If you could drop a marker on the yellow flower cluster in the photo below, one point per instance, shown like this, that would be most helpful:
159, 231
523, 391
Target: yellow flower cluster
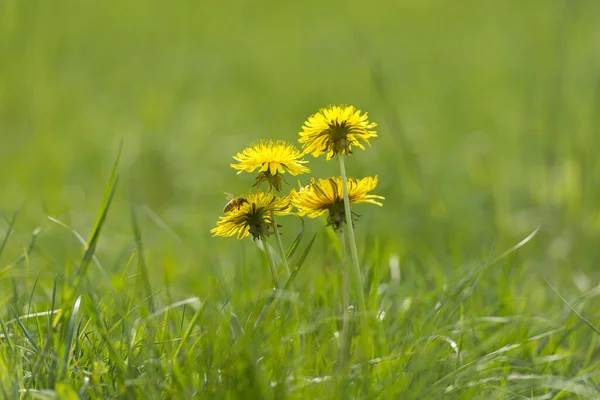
332, 131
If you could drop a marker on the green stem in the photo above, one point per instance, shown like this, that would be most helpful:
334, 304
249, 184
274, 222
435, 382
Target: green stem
263, 239
344, 348
285, 264
356, 274
280, 245
276, 292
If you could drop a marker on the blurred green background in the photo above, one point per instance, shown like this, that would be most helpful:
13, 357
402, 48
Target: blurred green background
488, 113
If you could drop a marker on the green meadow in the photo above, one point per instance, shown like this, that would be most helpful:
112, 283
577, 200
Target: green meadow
118, 122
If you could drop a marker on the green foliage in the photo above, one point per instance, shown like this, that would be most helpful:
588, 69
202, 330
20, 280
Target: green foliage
489, 119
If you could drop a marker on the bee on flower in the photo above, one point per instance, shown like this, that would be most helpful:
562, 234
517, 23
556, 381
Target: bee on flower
233, 202
334, 130
254, 216
325, 195
272, 159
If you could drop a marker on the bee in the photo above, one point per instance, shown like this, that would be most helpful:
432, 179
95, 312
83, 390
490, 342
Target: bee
233, 202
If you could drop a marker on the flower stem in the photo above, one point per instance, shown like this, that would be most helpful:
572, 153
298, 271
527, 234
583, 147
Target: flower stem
286, 266
263, 239
345, 345
275, 295
280, 245
356, 273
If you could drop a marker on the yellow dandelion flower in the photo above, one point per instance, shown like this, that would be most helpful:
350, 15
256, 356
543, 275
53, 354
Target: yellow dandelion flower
251, 215
273, 158
334, 130
327, 195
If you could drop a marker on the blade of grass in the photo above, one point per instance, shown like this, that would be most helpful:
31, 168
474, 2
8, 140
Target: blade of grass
53, 303
137, 234
24, 255
102, 330
300, 262
32, 292
189, 329
70, 332
288, 283
573, 310
9, 231
296, 241
473, 276
109, 193
6, 336
236, 328
164, 310
83, 242
25, 331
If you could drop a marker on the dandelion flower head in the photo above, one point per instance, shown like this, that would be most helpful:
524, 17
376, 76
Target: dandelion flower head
326, 195
253, 216
273, 159
334, 130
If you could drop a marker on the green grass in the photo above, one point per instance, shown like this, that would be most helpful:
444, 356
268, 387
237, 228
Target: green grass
489, 127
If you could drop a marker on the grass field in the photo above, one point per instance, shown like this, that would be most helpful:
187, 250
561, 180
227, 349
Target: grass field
480, 272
